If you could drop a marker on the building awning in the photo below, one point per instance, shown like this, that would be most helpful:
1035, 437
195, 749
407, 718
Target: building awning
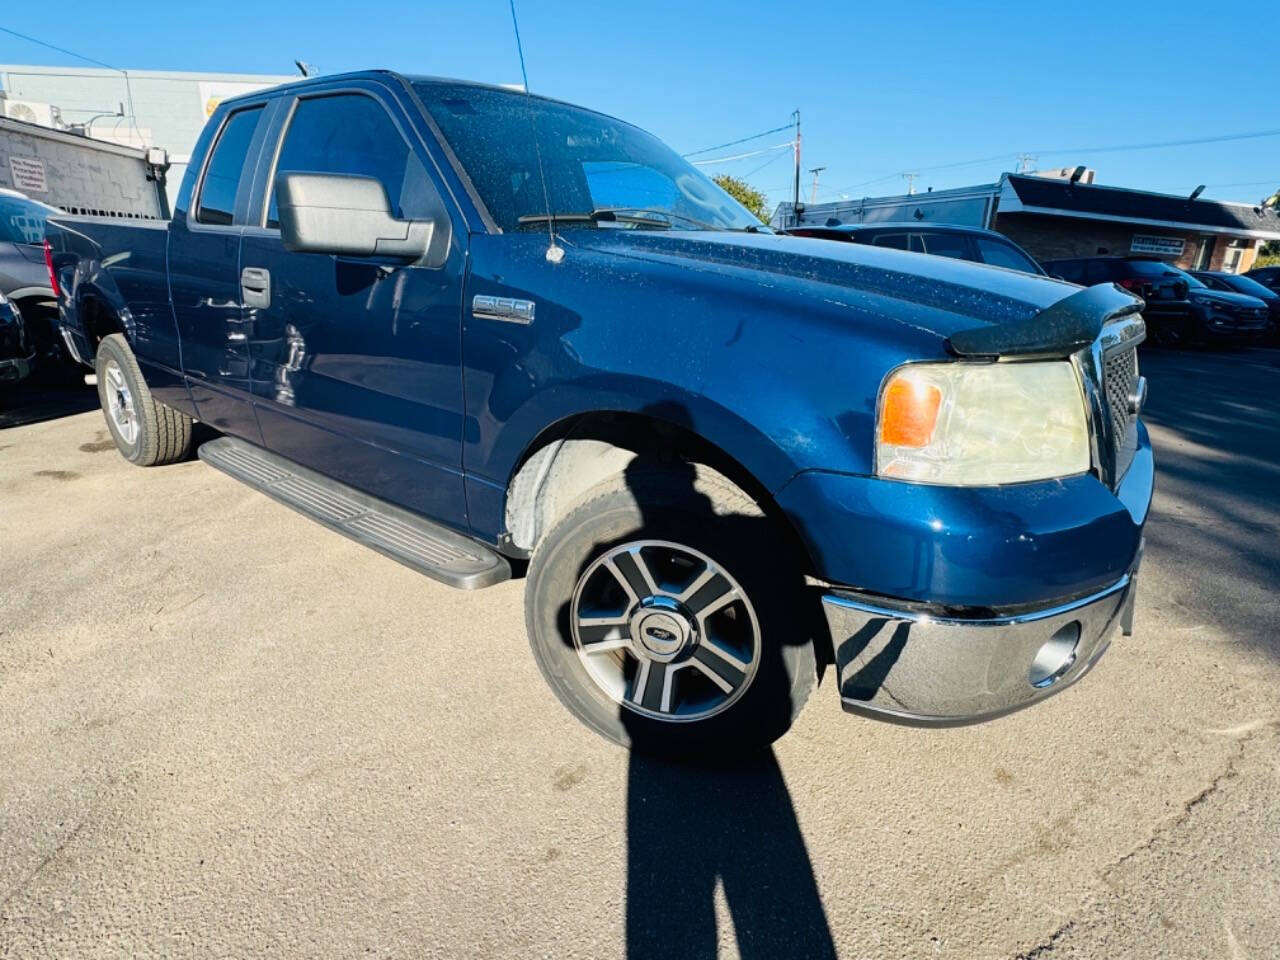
1089, 201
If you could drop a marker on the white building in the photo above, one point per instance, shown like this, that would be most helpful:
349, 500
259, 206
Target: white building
143, 108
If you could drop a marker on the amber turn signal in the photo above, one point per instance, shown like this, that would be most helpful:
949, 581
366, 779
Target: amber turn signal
909, 413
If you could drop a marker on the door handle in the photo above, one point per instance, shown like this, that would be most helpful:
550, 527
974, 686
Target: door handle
255, 287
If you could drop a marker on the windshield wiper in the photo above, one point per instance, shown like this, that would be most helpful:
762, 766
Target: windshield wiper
646, 217
609, 214
701, 224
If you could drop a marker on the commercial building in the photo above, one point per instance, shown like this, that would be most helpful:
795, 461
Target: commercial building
140, 108
1055, 216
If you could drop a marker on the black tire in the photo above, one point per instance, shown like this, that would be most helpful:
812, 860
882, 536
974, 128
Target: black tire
163, 435
697, 508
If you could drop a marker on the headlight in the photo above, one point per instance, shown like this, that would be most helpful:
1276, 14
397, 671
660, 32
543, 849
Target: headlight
971, 424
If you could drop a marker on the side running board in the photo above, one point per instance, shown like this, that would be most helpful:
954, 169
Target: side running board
426, 547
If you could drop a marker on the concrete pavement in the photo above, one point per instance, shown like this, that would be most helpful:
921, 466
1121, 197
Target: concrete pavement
225, 731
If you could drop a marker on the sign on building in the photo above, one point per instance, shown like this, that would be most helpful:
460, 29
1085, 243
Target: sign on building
28, 174
213, 92
1162, 246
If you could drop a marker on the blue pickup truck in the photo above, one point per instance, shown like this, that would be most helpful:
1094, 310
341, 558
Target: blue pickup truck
490, 334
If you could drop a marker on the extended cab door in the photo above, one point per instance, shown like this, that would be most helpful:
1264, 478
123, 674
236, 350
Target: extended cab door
356, 360
205, 276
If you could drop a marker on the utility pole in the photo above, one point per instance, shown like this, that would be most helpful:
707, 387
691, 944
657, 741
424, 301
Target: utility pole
795, 146
813, 191
911, 182
1025, 161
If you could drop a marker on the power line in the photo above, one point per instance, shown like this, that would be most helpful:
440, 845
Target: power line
64, 50
734, 143
1193, 141
741, 156
128, 87
1247, 183
774, 159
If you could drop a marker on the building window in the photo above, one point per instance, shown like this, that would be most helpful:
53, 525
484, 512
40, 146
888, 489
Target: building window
1204, 253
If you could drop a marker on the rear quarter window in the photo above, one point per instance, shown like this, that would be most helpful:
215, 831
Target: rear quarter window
221, 183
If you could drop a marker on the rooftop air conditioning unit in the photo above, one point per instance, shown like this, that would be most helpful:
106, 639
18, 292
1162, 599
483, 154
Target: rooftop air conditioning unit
28, 111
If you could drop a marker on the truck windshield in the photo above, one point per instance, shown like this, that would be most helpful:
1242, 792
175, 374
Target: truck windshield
22, 220
592, 163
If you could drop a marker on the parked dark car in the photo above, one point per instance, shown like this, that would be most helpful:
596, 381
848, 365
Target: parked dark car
24, 276
1269, 277
939, 239
15, 351
718, 450
1180, 309
1241, 283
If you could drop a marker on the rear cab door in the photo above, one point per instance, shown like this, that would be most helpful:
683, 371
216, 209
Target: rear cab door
355, 362
204, 269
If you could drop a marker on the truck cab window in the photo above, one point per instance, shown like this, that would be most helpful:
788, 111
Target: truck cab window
226, 163
352, 133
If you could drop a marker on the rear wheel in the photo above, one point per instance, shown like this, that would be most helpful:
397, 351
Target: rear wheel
146, 432
668, 615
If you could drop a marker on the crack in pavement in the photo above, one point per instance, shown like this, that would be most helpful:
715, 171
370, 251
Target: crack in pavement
1244, 735
49, 857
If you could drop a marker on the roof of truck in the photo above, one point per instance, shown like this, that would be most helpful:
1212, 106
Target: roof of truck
304, 82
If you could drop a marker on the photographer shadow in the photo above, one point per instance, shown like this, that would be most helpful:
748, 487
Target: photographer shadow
691, 828
729, 824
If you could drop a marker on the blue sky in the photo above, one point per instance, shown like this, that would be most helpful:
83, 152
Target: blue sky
882, 88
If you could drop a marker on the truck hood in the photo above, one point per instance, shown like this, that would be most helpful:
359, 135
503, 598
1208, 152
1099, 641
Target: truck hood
1008, 311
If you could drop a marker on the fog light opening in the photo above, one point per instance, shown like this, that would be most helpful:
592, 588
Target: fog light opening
1056, 656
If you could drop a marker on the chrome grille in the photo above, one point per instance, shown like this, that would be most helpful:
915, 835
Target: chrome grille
1109, 373
1119, 378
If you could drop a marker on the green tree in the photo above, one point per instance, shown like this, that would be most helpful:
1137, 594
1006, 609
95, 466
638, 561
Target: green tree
745, 194
1268, 254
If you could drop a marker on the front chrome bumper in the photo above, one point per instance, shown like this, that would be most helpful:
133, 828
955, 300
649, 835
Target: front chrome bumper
938, 671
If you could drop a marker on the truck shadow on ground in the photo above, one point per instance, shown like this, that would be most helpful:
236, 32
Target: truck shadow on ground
44, 397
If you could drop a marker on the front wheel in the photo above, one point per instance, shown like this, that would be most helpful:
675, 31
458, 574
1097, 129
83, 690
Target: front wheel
146, 432
668, 614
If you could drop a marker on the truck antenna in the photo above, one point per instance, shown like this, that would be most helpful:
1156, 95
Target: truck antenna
555, 252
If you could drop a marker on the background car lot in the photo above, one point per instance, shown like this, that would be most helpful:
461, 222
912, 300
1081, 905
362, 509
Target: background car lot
193, 768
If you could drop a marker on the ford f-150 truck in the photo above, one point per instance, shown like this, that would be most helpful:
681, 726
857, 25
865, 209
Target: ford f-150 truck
483, 332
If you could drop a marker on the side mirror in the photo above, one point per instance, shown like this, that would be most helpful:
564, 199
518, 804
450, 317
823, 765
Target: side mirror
346, 215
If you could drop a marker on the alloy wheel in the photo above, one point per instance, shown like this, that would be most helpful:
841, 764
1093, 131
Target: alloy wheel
120, 403
664, 631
